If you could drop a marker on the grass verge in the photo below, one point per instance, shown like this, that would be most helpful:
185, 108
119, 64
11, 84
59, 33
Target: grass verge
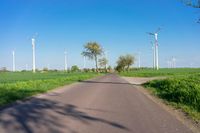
181, 92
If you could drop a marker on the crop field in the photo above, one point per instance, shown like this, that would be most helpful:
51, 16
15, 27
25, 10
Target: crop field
161, 72
20, 85
9, 77
180, 89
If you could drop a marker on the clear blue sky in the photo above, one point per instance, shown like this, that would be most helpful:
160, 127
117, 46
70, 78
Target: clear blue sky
120, 26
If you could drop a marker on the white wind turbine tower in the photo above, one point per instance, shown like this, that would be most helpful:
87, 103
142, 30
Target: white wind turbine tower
171, 64
13, 57
48, 67
168, 62
153, 53
191, 65
65, 53
26, 67
174, 62
106, 56
156, 47
33, 47
84, 62
139, 59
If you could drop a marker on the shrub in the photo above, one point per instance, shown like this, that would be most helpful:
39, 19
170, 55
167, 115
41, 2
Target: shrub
75, 69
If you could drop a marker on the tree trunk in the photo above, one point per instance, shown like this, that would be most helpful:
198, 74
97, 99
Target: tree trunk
128, 68
96, 62
123, 68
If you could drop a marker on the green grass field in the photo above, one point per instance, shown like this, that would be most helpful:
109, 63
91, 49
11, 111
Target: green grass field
161, 72
180, 89
9, 77
20, 85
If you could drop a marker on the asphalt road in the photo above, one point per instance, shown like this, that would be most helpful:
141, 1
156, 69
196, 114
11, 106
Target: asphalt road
107, 104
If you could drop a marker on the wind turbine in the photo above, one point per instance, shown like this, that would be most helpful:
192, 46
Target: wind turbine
13, 56
155, 34
33, 48
65, 53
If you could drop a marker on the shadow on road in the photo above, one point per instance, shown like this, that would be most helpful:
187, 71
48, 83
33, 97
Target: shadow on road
99, 82
36, 114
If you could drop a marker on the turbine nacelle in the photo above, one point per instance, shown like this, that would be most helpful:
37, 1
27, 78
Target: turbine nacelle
65, 52
155, 33
156, 36
33, 42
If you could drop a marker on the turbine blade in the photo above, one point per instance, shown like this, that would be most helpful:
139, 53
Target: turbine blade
35, 35
158, 30
150, 33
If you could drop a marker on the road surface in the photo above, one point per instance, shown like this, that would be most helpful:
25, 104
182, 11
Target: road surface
107, 104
